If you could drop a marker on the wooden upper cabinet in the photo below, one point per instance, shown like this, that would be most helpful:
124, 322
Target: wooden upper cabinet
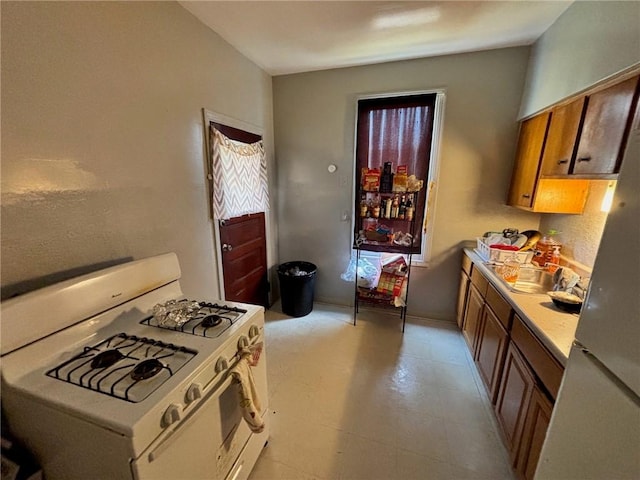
525, 173
561, 138
528, 190
605, 128
562, 149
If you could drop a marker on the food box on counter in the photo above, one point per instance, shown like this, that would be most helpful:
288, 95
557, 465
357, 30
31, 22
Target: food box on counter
489, 254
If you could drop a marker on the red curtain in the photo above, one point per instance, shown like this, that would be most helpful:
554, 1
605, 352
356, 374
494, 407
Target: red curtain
397, 130
397, 135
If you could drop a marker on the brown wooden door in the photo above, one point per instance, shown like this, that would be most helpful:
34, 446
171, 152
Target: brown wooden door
244, 259
562, 138
528, 156
604, 130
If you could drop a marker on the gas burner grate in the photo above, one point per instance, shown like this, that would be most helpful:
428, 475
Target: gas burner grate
124, 366
210, 321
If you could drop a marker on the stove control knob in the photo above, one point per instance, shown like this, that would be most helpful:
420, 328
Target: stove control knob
194, 392
221, 365
171, 414
254, 331
243, 342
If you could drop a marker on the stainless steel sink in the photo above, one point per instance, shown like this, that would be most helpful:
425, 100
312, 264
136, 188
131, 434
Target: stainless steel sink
530, 280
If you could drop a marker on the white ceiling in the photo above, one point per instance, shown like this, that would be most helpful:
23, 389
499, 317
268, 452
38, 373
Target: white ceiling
297, 36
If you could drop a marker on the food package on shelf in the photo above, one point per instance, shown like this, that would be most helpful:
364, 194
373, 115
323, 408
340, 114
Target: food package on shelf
413, 184
400, 179
392, 275
370, 179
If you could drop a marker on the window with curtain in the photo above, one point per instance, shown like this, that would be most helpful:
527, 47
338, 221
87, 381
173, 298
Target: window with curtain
398, 130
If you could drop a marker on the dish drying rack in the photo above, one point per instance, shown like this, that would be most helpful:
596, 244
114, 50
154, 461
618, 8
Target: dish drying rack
495, 255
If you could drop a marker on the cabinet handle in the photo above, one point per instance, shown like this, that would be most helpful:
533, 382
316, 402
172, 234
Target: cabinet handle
526, 195
560, 162
584, 159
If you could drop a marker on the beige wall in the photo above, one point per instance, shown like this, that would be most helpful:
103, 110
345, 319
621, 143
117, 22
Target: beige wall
314, 115
102, 136
588, 43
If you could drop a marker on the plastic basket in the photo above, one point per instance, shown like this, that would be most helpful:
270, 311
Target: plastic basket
489, 254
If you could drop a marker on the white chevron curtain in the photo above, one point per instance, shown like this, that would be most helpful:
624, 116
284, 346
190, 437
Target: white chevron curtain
239, 177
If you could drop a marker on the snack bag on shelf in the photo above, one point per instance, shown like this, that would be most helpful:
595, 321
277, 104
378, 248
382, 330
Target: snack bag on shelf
370, 179
400, 179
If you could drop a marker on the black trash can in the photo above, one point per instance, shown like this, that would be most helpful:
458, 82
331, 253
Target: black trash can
297, 284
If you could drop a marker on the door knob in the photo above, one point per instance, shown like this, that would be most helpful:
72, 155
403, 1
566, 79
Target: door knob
226, 247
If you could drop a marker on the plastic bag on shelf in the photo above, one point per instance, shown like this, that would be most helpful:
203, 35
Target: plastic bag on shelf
368, 273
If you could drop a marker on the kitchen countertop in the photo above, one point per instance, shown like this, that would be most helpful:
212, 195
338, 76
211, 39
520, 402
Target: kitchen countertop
554, 328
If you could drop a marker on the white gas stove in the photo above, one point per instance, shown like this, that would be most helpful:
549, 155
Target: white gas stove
100, 381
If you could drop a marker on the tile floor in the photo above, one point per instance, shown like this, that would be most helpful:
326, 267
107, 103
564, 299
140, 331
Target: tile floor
368, 402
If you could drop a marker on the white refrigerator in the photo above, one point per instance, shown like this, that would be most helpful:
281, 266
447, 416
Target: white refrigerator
595, 426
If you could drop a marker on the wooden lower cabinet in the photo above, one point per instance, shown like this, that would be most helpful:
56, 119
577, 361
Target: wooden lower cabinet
490, 351
463, 293
521, 376
513, 399
533, 434
472, 313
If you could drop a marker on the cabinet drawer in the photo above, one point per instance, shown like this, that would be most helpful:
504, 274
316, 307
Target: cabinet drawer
466, 264
548, 370
500, 307
480, 282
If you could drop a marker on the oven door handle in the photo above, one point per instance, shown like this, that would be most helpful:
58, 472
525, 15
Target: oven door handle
164, 442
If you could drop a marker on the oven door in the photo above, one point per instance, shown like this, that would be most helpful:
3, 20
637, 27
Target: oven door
208, 441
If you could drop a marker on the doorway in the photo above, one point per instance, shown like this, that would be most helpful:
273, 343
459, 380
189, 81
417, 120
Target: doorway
240, 242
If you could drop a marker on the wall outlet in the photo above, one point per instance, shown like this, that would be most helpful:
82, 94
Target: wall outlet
346, 215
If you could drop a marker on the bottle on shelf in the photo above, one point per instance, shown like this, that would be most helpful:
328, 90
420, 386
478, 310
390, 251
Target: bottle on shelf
375, 211
387, 208
410, 209
364, 208
402, 208
395, 207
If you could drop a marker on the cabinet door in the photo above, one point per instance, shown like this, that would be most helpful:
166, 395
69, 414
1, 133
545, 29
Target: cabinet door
525, 173
533, 435
492, 344
604, 129
472, 318
513, 399
463, 293
562, 138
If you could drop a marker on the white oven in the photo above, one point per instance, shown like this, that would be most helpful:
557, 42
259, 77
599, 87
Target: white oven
101, 379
